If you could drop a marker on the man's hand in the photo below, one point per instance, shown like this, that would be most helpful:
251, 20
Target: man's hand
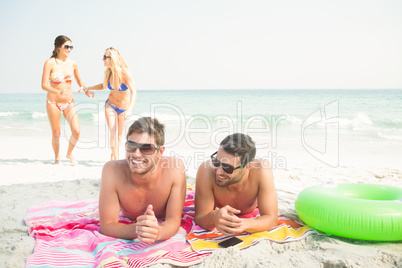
147, 226
226, 221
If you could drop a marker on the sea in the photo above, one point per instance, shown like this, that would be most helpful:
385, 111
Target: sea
331, 127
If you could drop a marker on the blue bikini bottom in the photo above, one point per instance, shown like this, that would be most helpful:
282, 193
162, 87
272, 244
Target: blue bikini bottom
118, 110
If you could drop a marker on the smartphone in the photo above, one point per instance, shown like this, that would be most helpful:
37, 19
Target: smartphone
233, 241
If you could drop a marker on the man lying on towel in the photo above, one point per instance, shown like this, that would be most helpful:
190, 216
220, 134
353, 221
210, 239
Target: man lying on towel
234, 183
145, 186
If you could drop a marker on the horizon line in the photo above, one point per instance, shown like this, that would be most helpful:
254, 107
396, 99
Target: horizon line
226, 89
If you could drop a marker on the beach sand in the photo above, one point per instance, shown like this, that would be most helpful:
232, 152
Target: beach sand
27, 181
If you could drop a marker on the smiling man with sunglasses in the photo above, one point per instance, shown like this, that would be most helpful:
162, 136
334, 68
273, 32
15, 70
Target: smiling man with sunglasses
145, 187
233, 183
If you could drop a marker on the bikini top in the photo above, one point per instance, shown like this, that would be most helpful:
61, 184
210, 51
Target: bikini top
123, 87
57, 78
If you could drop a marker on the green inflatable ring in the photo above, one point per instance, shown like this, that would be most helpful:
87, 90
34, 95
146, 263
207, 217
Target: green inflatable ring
359, 211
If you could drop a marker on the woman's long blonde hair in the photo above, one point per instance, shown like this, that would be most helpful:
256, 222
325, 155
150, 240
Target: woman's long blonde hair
117, 64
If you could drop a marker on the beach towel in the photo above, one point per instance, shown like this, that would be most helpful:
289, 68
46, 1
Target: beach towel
287, 230
67, 235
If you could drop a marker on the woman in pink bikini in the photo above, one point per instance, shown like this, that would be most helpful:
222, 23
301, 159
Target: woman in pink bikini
121, 99
57, 76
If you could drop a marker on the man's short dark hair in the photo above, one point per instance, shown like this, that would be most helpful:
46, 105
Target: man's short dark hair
151, 126
239, 144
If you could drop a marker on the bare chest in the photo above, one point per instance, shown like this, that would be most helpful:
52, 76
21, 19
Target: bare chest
134, 202
245, 201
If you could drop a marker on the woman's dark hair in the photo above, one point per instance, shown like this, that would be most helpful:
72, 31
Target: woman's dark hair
58, 42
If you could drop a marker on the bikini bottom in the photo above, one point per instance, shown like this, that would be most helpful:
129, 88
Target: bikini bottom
118, 110
60, 106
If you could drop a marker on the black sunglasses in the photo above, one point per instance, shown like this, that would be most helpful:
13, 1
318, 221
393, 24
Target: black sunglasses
145, 148
226, 167
106, 57
68, 47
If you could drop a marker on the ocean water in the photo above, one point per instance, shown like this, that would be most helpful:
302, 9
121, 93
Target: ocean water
327, 126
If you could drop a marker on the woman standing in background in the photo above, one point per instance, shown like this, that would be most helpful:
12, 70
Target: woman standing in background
58, 73
121, 99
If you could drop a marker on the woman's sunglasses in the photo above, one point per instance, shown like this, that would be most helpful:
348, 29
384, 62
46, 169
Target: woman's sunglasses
145, 148
68, 47
106, 57
226, 167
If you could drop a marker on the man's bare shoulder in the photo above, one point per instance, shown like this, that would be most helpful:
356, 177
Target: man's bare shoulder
114, 168
172, 164
205, 173
115, 164
173, 167
261, 170
262, 164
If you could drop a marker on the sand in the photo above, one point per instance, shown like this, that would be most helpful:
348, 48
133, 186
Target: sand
26, 182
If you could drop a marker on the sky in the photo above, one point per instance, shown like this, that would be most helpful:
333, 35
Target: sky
210, 44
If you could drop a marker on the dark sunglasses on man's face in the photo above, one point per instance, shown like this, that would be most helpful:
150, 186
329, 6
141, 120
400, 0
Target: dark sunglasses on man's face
68, 47
106, 57
226, 167
145, 148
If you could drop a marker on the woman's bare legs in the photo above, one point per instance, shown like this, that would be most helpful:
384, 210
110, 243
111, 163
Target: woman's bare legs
54, 115
111, 116
71, 115
121, 123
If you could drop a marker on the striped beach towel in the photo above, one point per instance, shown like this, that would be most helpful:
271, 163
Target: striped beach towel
287, 230
67, 235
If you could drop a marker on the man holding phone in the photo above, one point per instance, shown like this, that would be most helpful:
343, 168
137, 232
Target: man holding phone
233, 183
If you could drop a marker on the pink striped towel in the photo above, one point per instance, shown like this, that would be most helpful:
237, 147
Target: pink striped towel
67, 235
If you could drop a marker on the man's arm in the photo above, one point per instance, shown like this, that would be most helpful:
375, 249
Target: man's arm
206, 215
267, 200
204, 197
148, 229
109, 207
175, 203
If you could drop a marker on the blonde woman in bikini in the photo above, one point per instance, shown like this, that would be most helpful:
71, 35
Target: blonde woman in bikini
58, 74
121, 99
